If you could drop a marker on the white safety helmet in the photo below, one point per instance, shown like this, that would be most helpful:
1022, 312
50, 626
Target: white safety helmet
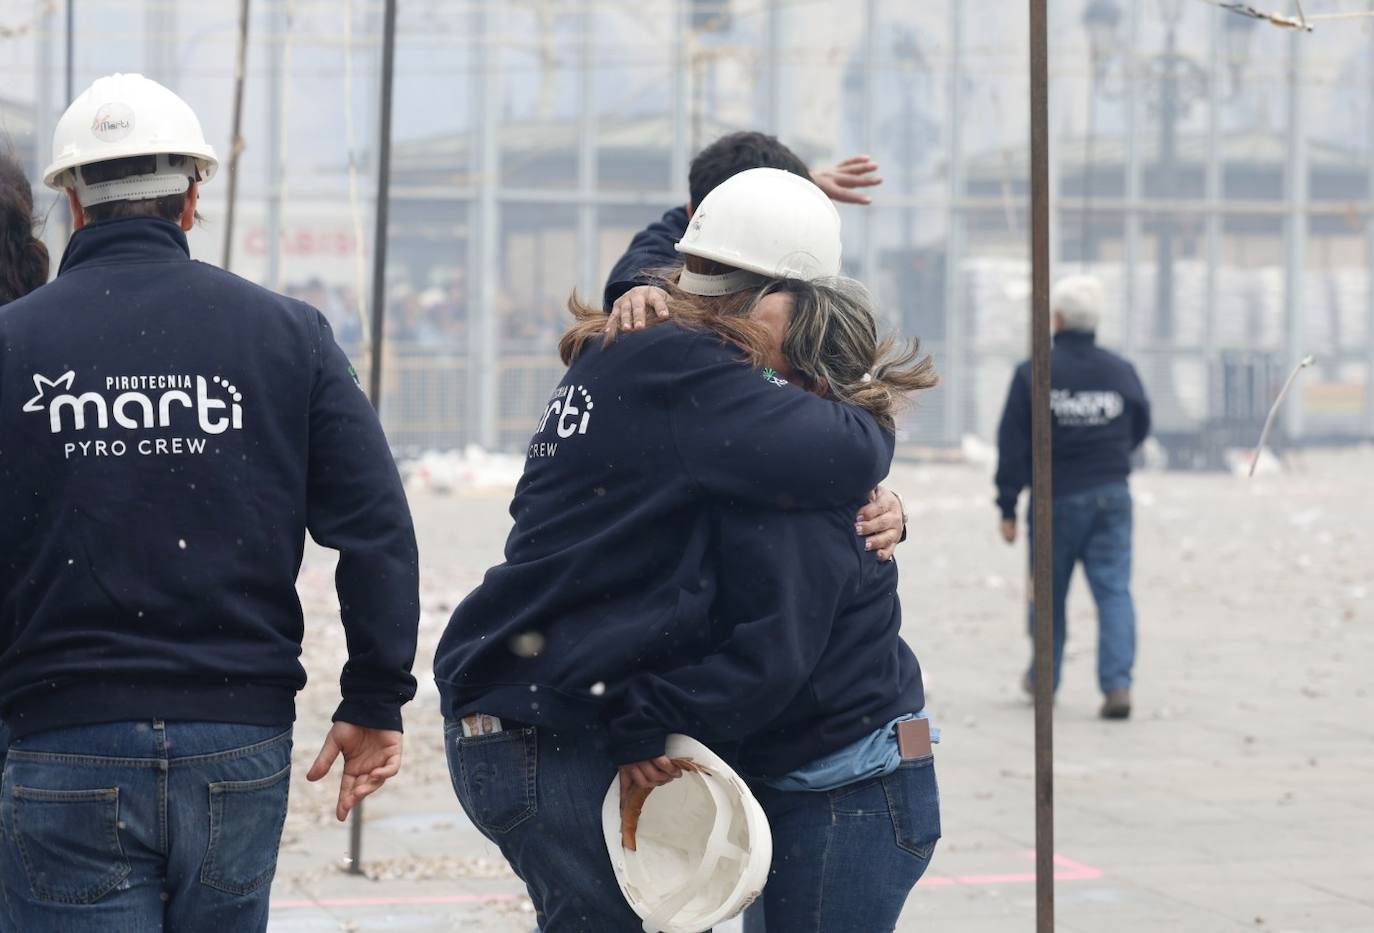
702, 849
770, 222
120, 116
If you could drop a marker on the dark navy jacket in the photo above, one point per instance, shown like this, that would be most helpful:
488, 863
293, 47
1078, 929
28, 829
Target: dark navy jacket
806, 656
609, 570
651, 249
1100, 416
168, 433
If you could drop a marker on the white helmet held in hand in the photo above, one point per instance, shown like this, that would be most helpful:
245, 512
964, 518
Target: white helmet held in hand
122, 116
702, 848
767, 221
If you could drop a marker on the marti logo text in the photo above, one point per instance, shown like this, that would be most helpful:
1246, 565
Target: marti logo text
572, 418
137, 403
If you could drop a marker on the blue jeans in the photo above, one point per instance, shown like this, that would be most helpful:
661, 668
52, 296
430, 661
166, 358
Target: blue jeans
536, 793
846, 859
1094, 527
134, 827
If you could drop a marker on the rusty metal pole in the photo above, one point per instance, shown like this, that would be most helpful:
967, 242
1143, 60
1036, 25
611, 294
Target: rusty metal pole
378, 335
1042, 509
236, 136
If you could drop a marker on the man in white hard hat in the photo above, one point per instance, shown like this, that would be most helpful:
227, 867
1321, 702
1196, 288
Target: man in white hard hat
171, 433
635, 298
1100, 415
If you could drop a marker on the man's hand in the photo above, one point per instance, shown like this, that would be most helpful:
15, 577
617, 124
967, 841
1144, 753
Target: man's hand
1008, 528
630, 311
882, 522
371, 756
841, 181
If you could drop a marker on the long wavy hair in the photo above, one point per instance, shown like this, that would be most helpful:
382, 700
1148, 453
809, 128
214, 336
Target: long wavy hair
23, 257
832, 341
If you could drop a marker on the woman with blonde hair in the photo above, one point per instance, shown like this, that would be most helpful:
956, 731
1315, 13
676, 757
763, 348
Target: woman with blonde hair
613, 571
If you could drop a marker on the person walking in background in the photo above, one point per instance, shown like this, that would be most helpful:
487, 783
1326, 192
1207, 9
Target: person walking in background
171, 432
1100, 415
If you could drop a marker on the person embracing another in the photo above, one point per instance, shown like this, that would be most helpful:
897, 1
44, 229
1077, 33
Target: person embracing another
609, 569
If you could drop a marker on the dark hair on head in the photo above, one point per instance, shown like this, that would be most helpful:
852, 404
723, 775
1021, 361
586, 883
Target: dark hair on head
167, 207
23, 257
737, 153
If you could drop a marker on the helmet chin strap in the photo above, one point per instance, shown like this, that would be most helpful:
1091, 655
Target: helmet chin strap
696, 283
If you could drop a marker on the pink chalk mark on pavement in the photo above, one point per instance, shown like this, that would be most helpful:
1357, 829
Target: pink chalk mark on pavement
1069, 870
396, 901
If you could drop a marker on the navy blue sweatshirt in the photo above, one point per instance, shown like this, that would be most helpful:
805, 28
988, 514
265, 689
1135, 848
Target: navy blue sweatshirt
607, 569
168, 433
807, 653
1100, 416
652, 248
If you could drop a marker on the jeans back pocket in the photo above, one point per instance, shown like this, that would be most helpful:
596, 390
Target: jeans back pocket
246, 820
913, 797
68, 842
494, 777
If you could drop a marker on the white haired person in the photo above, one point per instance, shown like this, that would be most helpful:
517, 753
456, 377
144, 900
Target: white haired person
1100, 415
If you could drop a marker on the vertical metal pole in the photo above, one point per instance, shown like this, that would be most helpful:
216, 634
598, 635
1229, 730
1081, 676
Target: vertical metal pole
958, 386
236, 136
1134, 119
71, 51
483, 217
868, 272
1213, 193
1369, 259
1043, 513
587, 240
774, 99
379, 237
678, 162
1168, 172
1296, 234
276, 109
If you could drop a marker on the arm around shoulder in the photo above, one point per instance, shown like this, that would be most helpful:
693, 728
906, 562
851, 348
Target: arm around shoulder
747, 435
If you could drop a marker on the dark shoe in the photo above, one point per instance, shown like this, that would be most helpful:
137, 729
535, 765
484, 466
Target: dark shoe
1117, 705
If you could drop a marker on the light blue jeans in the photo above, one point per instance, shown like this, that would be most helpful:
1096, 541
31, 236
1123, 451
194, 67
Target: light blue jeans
1094, 528
137, 827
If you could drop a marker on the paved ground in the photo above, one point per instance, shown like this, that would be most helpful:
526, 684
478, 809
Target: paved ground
1240, 797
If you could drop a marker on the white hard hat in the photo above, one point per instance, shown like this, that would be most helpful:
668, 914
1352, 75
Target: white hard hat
702, 849
120, 116
768, 221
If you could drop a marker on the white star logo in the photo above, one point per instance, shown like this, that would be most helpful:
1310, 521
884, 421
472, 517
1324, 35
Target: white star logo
40, 383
